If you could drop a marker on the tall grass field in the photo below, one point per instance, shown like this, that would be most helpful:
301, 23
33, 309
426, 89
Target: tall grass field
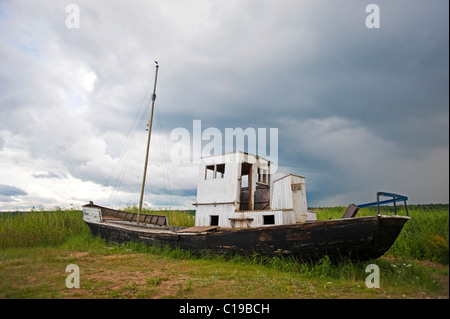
424, 237
60, 236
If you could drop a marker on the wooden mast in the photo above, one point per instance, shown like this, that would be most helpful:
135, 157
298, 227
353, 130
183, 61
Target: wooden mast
148, 144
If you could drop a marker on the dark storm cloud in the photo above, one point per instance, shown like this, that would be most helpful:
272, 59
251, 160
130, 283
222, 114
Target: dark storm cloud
379, 91
356, 109
8, 192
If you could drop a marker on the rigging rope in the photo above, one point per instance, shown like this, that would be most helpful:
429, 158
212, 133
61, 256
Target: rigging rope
127, 150
117, 174
167, 186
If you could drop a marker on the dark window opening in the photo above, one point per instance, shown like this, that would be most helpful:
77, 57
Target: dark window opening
215, 171
263, 176
269, 220
246, 170
220, 170
209, 172
214, 220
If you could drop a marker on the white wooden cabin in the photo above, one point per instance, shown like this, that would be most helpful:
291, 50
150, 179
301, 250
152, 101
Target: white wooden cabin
234, 191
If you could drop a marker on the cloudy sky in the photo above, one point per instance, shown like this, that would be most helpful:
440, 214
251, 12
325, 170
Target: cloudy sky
357, 109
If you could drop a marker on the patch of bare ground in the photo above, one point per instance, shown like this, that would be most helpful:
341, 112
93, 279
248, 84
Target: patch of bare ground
127, 276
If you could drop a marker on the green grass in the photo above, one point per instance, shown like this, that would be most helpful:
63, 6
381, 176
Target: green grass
182, 218
36, 247
45, 228
135, 270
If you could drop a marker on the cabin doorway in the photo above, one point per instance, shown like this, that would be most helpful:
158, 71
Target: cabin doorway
258, 198
246, 195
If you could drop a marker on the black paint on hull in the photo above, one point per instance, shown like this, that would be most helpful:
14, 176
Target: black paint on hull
358, 238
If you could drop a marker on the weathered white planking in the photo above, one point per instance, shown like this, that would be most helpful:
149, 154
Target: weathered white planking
219, 195
92, 214
289, 192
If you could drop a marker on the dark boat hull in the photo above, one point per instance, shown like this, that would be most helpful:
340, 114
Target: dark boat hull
358, 238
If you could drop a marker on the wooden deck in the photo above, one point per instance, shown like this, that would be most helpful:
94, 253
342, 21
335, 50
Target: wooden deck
198, 229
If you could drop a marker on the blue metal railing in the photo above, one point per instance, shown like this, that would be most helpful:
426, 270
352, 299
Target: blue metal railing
395, 198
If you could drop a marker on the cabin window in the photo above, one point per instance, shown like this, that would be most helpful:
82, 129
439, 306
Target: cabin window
214, 220
209, 174
269, 220
215, 171
220, 170
263, 177
244, 181
246, 171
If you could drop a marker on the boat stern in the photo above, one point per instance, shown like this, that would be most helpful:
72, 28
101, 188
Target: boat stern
92, 213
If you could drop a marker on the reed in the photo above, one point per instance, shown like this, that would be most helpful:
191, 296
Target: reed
181, 218
53, 228
48, 228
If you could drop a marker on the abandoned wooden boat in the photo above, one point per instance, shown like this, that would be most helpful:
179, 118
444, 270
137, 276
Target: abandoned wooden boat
237, 213
358, 238
240, 210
